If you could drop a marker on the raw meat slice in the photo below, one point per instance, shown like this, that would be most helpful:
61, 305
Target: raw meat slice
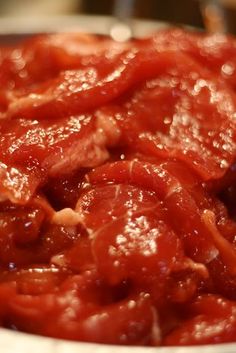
130, 235
217, 52
183, 113
117, 188
81, 308
187, 220
213, 322
40, 58
31, 151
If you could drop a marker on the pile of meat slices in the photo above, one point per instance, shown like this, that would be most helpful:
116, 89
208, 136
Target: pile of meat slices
118, 188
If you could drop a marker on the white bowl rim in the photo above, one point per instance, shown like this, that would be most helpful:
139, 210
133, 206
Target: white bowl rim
89, 23
20, 342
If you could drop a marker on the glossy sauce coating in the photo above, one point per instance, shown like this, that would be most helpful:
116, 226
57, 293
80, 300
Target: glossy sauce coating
117, 188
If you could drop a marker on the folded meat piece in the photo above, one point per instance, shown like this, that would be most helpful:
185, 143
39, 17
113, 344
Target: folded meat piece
182, 113
216, 51
27, 64
33, 150
213, 321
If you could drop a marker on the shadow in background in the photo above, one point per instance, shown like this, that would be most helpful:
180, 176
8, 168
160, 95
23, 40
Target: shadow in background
230, 16
175, 11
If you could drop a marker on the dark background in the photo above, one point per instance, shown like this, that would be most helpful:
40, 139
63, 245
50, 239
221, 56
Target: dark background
181, 12
176, 11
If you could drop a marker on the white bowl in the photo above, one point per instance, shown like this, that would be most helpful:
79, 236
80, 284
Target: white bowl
85, 23
17, 342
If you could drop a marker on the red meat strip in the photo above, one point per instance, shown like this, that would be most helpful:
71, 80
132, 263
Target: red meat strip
28, 237
130, 235
217, 51
18, 184
198, 125
25, 65
187, 218
214, 321
71, 91
33, 150
79, 308
198, 219
144, 238
185, 114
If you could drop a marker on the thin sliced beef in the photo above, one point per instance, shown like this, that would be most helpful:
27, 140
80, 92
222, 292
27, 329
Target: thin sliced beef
117, 185
183, 113
38, 59
177, 200
31, 151
216, 51
128, 239
213, 321
80, 308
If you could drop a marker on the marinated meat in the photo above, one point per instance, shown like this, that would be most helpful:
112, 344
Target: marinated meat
117, 188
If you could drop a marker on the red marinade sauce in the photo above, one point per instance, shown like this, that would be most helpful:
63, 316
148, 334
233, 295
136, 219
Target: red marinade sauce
117, 188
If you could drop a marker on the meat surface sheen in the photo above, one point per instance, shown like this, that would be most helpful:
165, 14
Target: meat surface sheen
117, 188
